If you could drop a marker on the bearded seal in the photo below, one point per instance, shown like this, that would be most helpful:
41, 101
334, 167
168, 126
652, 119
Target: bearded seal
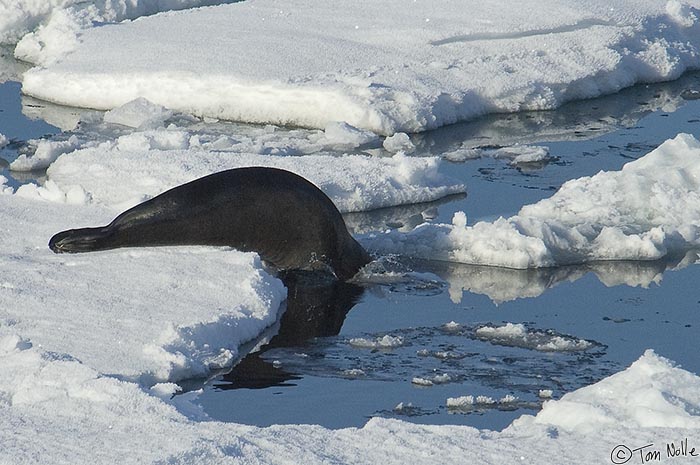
283, 217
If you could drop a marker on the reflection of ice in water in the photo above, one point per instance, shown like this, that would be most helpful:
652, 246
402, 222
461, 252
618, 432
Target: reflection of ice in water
423, 277
574, 121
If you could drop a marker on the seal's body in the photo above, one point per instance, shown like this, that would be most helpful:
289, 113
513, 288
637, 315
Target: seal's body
283, 217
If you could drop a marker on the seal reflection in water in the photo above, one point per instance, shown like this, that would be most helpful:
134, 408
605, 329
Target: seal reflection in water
316, 307
283, 217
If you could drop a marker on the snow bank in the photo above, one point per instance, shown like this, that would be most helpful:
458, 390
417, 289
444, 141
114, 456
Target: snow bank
376, 65
141, 314
648, 210
119, 174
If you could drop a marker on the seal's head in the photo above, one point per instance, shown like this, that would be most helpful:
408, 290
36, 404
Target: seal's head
77, 240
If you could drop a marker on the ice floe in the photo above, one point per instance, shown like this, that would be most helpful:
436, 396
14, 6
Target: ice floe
141, 314
647, 211
413, 69
119, 175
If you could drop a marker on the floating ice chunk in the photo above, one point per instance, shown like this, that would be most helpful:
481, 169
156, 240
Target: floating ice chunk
468, 402
441, 379
517, 335
400, 407
463, 154
385, 342
545, 394
523, 154
421, 381
47, 151
341, 135
517, 154
441, 354
509, 330
3, 140
139, 113
460, 402
452, 326
437, 379
399, 142
646, 211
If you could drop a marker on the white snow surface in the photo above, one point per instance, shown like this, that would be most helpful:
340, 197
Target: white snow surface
46, 29
142, 164
375, 64
648, 210
140, 314
58, 410
47, 151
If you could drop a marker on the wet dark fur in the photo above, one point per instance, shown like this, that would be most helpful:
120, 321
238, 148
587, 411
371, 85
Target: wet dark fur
278, 214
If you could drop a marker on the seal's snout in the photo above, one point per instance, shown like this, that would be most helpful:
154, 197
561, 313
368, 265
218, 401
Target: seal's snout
57, 242
76, 240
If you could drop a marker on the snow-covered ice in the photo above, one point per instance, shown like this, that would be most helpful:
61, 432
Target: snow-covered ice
46, 29
91, 346
517, 154
147, 314
46, 152
117, 174
647, 211
376, 65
